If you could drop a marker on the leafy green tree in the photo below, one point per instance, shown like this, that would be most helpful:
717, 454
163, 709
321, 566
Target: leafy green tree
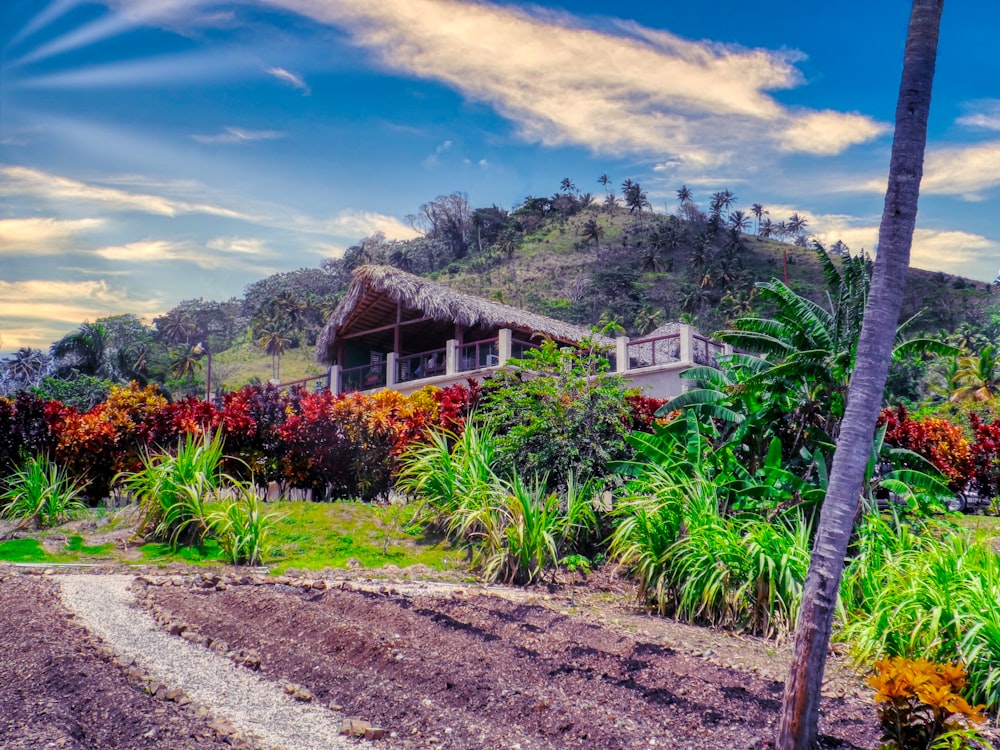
977, 376
556, 413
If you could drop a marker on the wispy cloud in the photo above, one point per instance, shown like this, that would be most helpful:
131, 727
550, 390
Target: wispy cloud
950, 250
966, 171
42, 236
616, 88
984, 114
441, 148
354, 224
239, 245
292, 79
25, 181
214, 255
239, 135
36, 312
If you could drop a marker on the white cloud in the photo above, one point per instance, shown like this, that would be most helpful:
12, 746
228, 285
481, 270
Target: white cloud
239, 245
216, 254
962, 170
828, 132
36, 312
292, 79
16, 180
619, 89
353, 224
984, 115
42, 236
966, 171
239, 135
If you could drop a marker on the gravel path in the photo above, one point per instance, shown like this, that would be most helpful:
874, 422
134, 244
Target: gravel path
261, 711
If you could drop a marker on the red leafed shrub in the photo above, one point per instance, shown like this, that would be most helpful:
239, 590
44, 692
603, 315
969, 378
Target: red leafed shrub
937, 440
642, 411
986, 454
86, 446
455, 403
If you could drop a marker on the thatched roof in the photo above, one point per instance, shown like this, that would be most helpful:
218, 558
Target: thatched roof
434, 301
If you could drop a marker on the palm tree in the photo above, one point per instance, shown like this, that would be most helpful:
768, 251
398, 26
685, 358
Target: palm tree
567, 186
739, 221
27, 364
800, 707
684, 194
604, 180
978, 376
765, 229
83, 350
273, 341
176, 326
187, 362
591, 230
759, 213
636, 200
796, 224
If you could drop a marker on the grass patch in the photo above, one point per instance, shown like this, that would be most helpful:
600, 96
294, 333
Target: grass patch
318, 535
26, 550
76, 545
197, 554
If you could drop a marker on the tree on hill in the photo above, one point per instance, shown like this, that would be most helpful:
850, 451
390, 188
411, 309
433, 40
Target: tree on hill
591, 230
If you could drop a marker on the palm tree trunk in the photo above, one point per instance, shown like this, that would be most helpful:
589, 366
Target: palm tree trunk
800, 709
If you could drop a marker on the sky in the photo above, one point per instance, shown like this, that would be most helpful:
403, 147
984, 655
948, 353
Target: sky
153, 151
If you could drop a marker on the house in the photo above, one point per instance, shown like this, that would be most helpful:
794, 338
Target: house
400, 331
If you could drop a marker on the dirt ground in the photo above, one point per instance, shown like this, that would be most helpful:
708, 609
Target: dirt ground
58, 690
452, 670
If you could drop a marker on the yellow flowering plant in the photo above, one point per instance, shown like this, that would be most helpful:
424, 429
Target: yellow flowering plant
920, 705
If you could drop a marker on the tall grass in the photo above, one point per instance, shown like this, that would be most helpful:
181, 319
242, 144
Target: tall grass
515, 529
928, 598
185, 497
697, 564
40, 494
173, 490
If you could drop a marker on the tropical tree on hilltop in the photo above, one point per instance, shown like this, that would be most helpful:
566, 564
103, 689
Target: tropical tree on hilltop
739, 221
82, 350
759, 213
635, 199
186, 362
684, 195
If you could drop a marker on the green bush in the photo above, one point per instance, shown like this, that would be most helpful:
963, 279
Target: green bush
173, 490
40, 494
558, 411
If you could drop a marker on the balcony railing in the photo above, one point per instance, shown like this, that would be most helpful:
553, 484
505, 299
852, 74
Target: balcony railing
657, 350
421, 365
706, 351
479, 355
362, 378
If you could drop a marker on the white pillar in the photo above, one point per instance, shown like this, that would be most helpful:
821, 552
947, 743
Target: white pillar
451, 356
390, 369
687, 343
336, 379
621, 354
504, 345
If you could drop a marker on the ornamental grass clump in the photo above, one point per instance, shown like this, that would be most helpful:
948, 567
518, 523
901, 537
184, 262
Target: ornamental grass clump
40, 494
920, 705
515, 528
241, 526
920, 596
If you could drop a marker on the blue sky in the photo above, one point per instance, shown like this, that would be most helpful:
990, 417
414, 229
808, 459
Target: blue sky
159, 150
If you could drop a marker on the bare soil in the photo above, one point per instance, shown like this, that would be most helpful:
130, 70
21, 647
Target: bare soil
437, 666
